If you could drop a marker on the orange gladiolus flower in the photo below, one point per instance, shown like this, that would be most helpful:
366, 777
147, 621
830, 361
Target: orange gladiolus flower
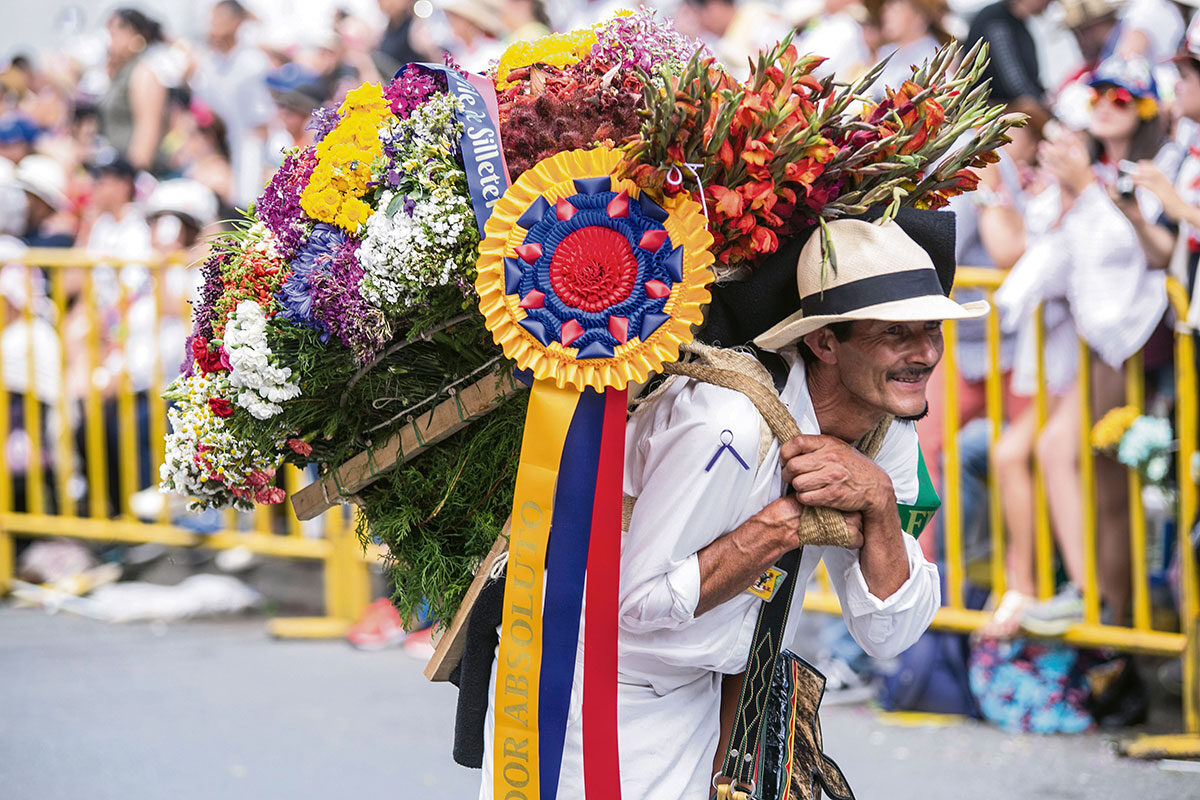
756, 152
758, 194
729, 204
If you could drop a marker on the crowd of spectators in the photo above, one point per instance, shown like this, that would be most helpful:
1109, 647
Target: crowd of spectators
141, 150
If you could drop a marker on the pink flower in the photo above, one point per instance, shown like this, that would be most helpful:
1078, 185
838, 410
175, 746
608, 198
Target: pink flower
260, 477
300, 447
271, 495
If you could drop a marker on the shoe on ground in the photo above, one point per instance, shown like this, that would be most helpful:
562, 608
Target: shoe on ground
1055, 616
1006, 619
380, 627
419, 644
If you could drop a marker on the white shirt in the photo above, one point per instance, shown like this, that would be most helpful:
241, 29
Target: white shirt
670, 663
1090, 272
839, 38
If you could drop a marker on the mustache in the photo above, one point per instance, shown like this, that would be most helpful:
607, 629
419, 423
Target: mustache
910, 373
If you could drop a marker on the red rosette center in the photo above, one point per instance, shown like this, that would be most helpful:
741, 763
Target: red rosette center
593, 268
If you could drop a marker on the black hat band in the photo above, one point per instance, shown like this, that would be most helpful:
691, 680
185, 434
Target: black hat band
871, 292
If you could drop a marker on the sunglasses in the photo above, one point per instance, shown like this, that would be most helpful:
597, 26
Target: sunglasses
1118, 97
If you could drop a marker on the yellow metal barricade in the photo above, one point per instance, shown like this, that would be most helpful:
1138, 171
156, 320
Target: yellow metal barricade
1140, 636
104, 428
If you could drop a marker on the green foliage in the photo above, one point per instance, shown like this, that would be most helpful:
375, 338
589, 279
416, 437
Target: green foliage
439, 514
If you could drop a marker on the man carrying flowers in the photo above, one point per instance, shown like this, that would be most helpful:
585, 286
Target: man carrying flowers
715, 504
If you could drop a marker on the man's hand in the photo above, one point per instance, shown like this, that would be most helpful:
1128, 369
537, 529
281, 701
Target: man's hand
825, 471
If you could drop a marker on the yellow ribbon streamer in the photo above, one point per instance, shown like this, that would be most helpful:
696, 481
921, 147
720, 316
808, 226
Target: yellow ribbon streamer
515, 746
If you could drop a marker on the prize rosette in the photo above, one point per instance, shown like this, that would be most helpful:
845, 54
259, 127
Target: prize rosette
589, 284
587, 281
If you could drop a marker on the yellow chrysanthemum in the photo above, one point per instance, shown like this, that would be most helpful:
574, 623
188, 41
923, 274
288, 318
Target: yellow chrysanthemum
1107, 433
555, 50
635, 358
353, 213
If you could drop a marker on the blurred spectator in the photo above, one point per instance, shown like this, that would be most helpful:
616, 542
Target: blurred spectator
133, 111
990, 232
335, 74
29, 349
1091, 22
1173, 240
204, 153
912, 31
403, 40
1086, 266
836, 33
44, 183
178, 211
296, 91
734, 30
478, 31
525, 19
230, 78
113, 225
1150, 29
1013, 65
17, 136
16, 79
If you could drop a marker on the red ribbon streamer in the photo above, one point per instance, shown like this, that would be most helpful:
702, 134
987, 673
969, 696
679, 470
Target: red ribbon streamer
601, 759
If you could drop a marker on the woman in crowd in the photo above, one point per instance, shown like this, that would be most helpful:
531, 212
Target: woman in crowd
133, 110
912, 31
1085, 264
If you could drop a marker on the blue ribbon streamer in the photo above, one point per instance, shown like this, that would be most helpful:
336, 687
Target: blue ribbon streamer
487, 178
566, 566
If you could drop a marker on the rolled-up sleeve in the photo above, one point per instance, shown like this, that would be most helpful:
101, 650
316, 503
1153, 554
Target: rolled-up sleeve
885, 628
690, 496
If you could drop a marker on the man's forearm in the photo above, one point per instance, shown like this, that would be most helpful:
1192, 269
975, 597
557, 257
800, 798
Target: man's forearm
735, 561
883, 558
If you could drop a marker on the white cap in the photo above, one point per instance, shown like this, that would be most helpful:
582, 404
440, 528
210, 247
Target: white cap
184, 197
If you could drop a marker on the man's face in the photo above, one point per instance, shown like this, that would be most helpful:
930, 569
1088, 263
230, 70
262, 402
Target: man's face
886, 365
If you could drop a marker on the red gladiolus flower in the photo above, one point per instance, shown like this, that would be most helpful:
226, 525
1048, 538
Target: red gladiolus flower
300, 447
759, 194
968, 180
220, 406
764, 240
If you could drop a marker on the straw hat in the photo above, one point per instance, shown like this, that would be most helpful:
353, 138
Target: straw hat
882, 274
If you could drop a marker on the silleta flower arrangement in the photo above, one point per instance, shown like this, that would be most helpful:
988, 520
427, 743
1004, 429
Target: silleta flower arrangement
342, 307
345, 305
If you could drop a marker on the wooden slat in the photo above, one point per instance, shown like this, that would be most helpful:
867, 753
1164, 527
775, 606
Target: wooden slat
450, 646
444, 420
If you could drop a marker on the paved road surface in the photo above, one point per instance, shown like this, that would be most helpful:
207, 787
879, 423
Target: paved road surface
218, 710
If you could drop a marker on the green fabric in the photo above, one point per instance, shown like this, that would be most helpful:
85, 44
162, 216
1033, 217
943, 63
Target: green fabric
914, 518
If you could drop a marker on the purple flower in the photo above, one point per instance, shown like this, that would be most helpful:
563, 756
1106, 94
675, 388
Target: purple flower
323, 121
645, 41
214, 287
393, 177
338, 304
411, 88
279, 206
410, 206
323, 248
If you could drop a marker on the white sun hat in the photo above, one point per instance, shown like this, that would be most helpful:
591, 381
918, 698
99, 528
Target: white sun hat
44, 178
882, 274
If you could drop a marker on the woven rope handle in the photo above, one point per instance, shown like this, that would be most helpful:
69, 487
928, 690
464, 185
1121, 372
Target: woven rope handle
819, 526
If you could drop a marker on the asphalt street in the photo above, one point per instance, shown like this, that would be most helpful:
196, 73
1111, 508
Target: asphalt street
209, 709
